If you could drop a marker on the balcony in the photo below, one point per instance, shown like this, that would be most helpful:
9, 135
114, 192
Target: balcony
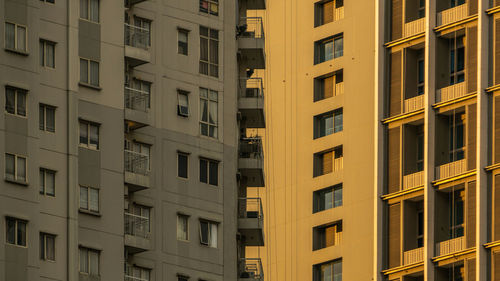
136, 45
413, 256
450, 246
251, 162
414, 104
137, 108
251, 42
413, 180
251, 221
136, 170
251, 102
250, 269
451, 92
452, 15
414, 27
137, 234
129, 272
451, 169
255, 4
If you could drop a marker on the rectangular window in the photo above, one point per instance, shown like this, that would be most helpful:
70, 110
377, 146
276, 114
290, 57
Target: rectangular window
456, 146
182, 165
15, 101
209, 171
47, 53
327, 11
138, 221
47, 182
89, 135
182, 278
457, 60
327, 235
16, 37
328, 86
15, 167
327, 198
47, 247
15, 231
182, 103
209, 51
140, 159
420, 225
47, 118
329, 48
136, 273
89, 10
420, 77
182, 41
328, 123
182, 227
456, 213
48, 1
89, 72
329, 271
209, 7
208, 112
89, 199
328, 161
142, 97
142, 34
89, 261
208, 233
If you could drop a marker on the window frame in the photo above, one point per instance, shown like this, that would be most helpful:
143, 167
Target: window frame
88, 209
44, 245
43, 187
209, 233
186, 217
16, 178
88, 251
16, 232
179, 49
179, 106
331, 189
320, 49
89, 9
208, 162
209, 5
43, 45
179, 154
43, 122
16, 47
89, 124
17, 92
89, 73
209, 101
53, 2
207, 62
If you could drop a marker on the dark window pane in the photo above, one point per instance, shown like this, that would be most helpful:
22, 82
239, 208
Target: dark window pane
182, 166
10, 100
204, 232
11, 231
203, 170
21, 233
214, 173
41, 118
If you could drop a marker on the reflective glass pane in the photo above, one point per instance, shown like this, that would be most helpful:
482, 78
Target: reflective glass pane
21, 38
10, 36
11, 231
83, 198
10, 166
21, 233
21, 169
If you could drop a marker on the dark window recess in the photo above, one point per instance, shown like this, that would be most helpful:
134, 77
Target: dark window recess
182, 165
327, 198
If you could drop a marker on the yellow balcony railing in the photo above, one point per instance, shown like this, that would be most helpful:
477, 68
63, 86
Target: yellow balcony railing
339, 13
414, 104
452, 15
413, 256
414, 27
451, 92
450, 246
451, 169
413, 180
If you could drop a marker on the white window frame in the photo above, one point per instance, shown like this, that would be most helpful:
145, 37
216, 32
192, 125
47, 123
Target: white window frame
89, 9
46, 128
88, 82
209, 51
43, 45
16, 157
186, 32
44, 246
17, 221
16, 47
132, 145
87, 208
89, 124
179, 106
43, 186
209, 100
186, 217
88, 250
17, 92
209, 11
209, 233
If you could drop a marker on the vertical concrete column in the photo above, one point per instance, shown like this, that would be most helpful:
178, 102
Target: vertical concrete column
482, 142
429, 138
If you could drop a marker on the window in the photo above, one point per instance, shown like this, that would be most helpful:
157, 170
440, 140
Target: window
47, 53
208, 233
15, 167
455, 3
89, 199
89, 10
421, 9
16, 231
327, 198
326, 12
457, 137
330, 271
137, 273
420, 227
137, 222
182, 278
328, 161
16, 37
182, 165
47, 182
142, 27
89, 72
456, 213
48, 1
209, 51
142, 95
327, 235
209, 6
182, 103
182, 40
141, 155
328, 123
15, 101
89, 135
328, 86
209, 171
89, 261
330, 48
457, 60
420, 148
208, 112
182, 227
420, 77
47, 247
47, 118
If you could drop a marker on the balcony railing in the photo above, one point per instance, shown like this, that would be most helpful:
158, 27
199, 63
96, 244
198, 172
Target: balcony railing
250, 208
451, 92
136, 36
452, 15
413, 180
251, 268
251, 88
414, 27
339, 88
451, 169
251, 148
136, 163
129, 270
251, 27
338, 164
413, 256
450, 246
339, 13
136, 225
414, 104
136, 99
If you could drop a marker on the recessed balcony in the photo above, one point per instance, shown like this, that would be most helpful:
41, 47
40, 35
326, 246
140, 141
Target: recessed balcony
414, 103
413, 180
136, 170
414, 27
413, 256
250, 269
251, 103
137, 44
137, 114
137, 233
452, 15
251, 42
251, 221
451, 169
451, 92
251, 162
450, 246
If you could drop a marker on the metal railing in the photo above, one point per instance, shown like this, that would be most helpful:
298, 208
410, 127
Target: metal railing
251, 148
136, 36
452, 15
250, 27
136, 163
413, 180
339, 13
129, 269
338, 164
250, 208
413, 256
136, 99
451, 169
339, 88
414, 27
414, 104
251, 268
251, 88
136, 225
450, 246
451, 92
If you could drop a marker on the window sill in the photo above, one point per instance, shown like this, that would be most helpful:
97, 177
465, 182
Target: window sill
24, 183
22, 53
90, 213
89, 86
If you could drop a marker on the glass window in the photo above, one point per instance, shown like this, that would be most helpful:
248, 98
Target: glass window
330, 271
182, 165
15, 167
208, 233
89, 199
16, 231
89, 72
47, 182
457, 60
47, 246
208, 113
15, 37
183, 103
182, 227
209, 171
47, 53
10, 36
89, 10
89, 261
15, 101
328, 123
89, 135
209, 6
209, 51
339, 46
329, 49
328, 198
182, 37
47, 118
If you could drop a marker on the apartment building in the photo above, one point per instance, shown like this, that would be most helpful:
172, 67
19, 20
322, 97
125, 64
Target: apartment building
136, 166
318, 144
436, 188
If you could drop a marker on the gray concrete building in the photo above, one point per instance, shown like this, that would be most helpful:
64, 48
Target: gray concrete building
123, 139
